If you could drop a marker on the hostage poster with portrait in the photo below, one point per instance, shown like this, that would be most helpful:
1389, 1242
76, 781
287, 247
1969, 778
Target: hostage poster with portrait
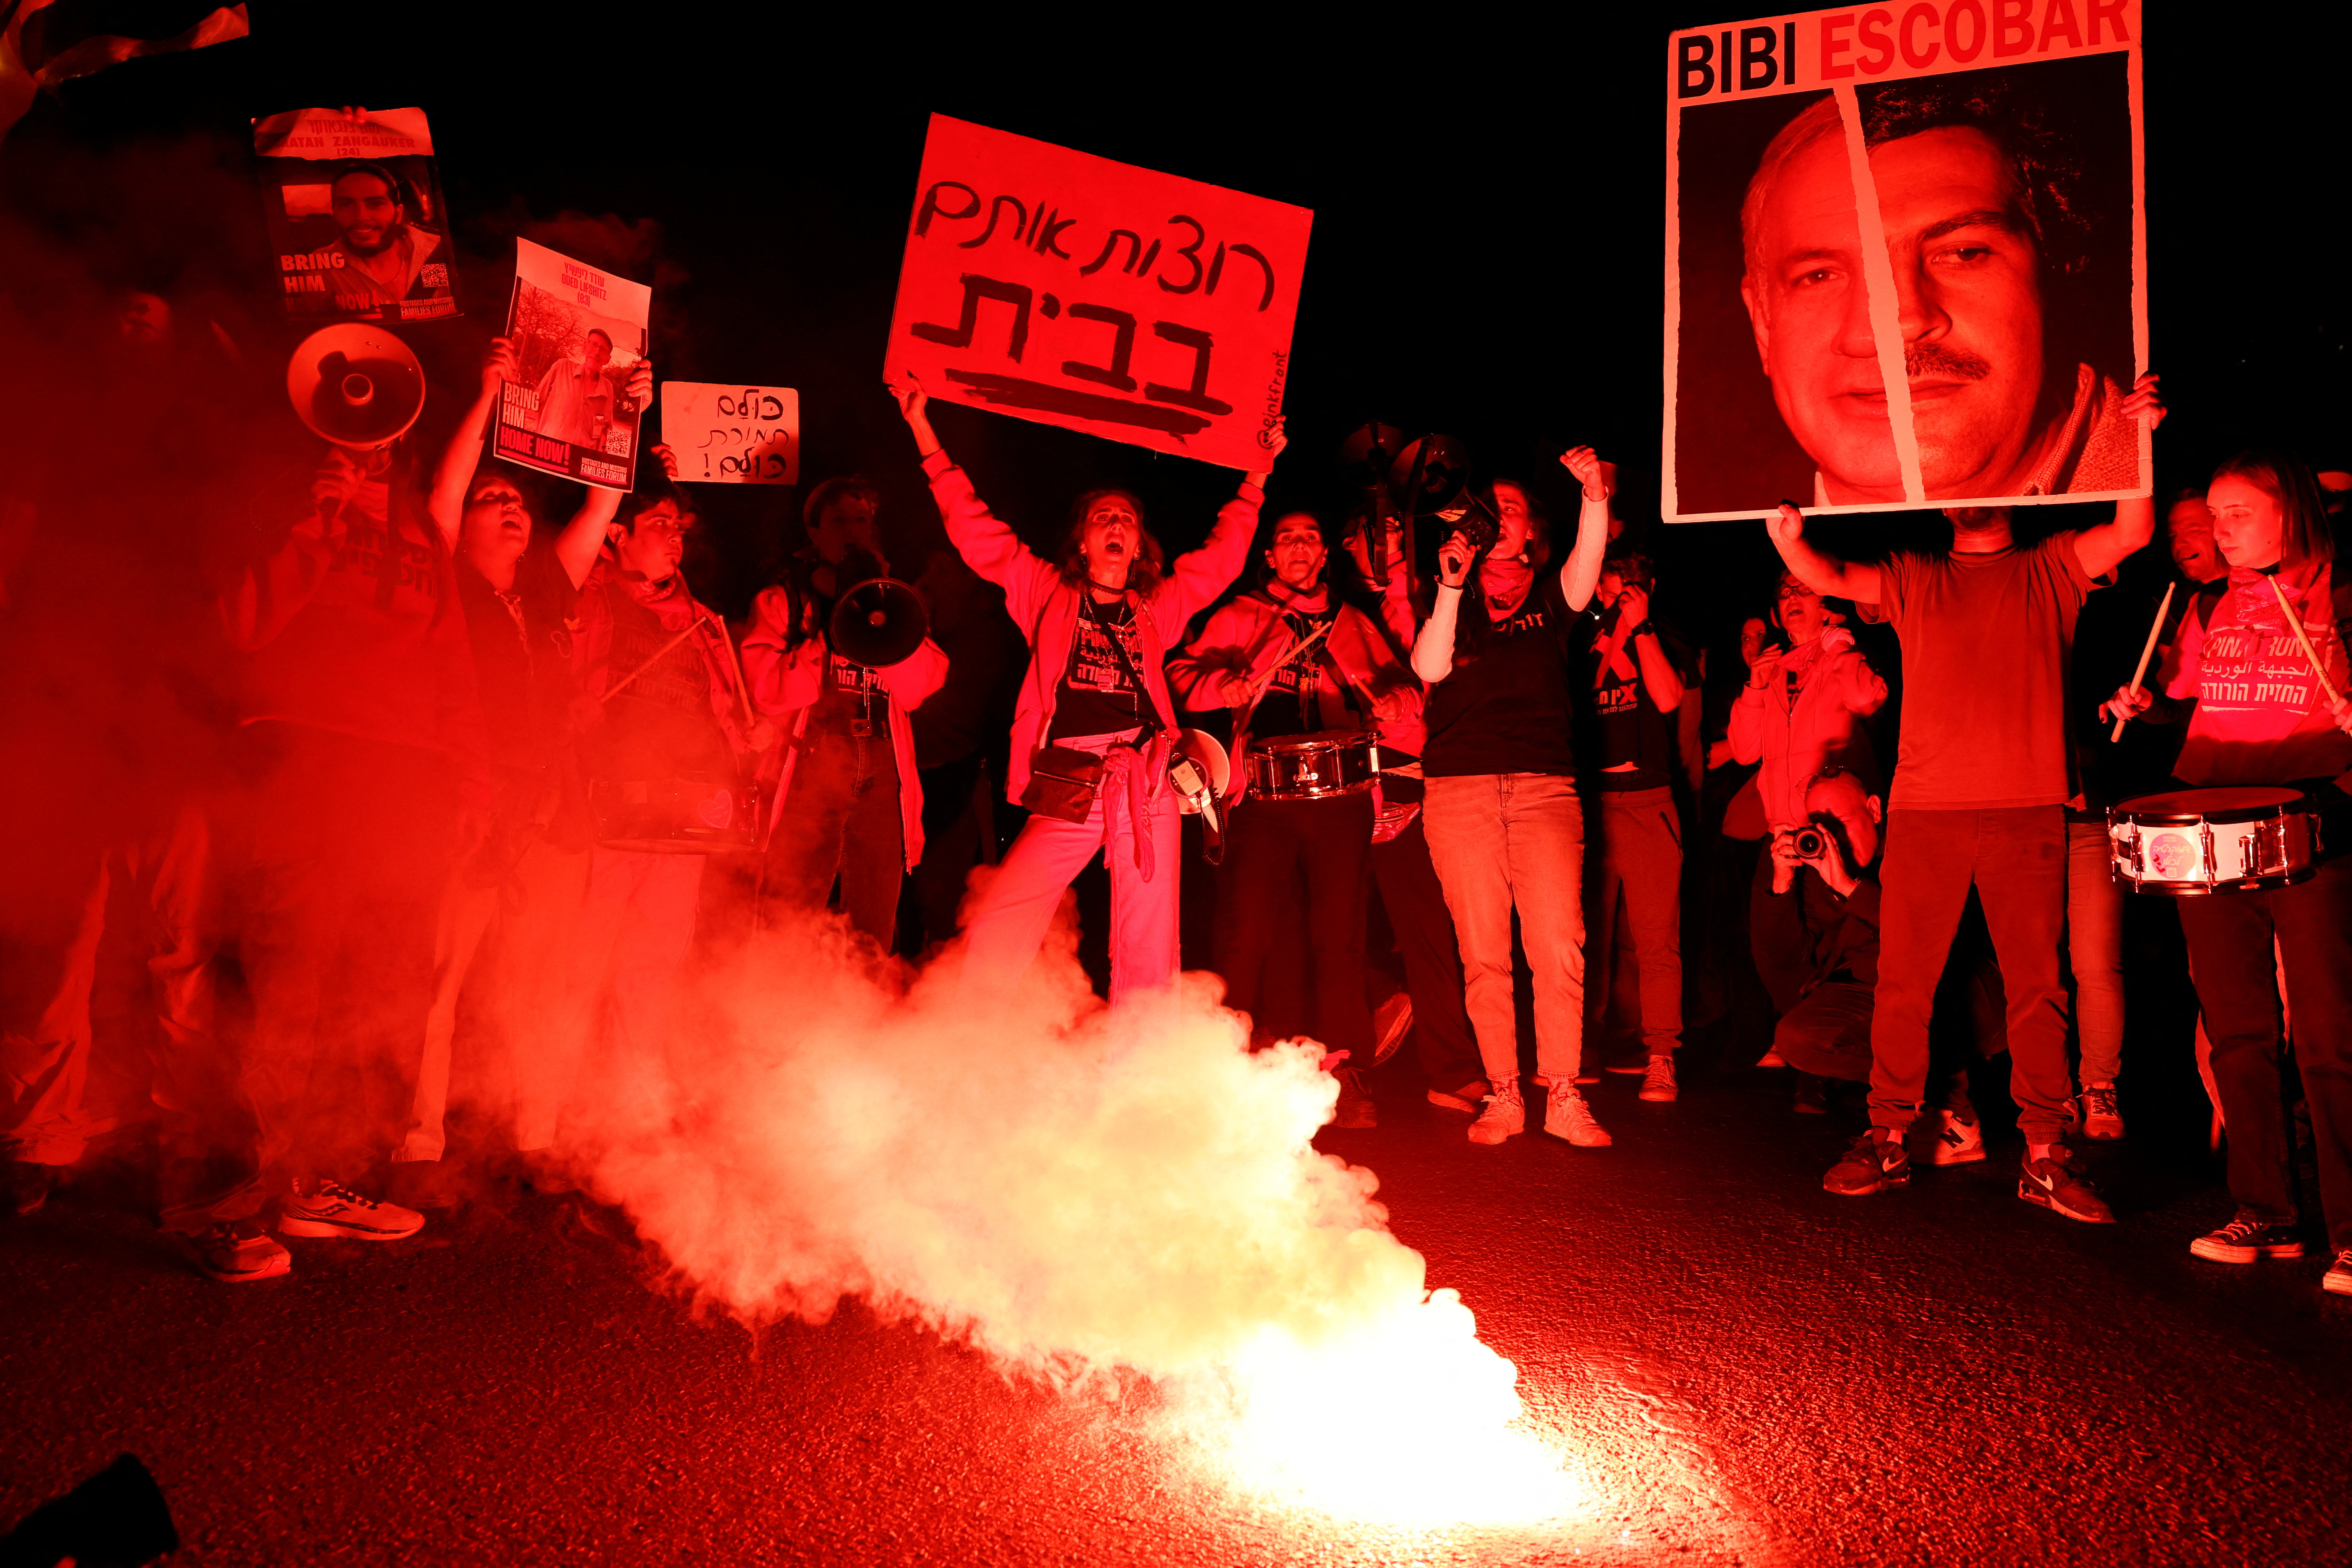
1907, 258
577, 332
356, 216
1055, 286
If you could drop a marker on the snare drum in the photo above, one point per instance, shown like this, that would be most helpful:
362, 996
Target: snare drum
2192, 842
1313, 766
672, 817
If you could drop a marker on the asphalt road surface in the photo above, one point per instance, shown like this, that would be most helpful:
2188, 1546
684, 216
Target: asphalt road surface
1741, 1367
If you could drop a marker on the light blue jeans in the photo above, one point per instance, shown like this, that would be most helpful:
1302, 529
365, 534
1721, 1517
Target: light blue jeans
1507, 841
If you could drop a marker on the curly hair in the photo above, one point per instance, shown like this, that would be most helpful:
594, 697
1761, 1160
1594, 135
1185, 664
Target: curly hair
1142, 573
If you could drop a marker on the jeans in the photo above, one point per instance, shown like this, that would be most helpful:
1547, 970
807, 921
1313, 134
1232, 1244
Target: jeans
1640, 861
841, 818
1506, 841
2016, 859
1415, 904
1006, 919
2094, 948
1313, 856
2229, 945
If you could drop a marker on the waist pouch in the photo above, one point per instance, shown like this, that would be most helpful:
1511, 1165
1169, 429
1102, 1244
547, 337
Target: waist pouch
1062, 784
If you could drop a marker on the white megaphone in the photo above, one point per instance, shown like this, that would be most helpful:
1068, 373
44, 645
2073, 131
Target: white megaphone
356, 385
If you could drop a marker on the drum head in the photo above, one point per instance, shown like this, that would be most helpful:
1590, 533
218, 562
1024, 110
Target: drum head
2228, 804
1315, 740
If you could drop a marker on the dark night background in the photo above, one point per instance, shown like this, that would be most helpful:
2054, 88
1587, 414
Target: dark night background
1488, 196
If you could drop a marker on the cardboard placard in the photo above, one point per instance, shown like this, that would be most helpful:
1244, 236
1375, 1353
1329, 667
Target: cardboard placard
731, 433
1056, 285
356, 216
577, 331
1978, 349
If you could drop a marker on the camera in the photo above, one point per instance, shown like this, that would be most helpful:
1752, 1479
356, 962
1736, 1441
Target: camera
1809, 842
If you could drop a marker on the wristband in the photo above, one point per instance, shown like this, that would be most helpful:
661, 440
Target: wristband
1646, 629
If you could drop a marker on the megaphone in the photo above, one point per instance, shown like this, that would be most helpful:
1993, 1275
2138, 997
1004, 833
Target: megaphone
355, 385
878, 622
1433, 479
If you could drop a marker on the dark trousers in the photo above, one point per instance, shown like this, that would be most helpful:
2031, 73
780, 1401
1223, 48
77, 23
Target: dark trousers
840, 819
1827, 1032
349, 844
1415, 905
1313, 856
1640, 862
957, 835
2016, 860
2229, 937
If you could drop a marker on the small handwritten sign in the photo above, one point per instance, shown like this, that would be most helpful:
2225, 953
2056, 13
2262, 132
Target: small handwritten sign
729, 434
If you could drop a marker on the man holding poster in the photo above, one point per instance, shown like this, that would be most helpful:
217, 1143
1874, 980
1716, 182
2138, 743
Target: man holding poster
1937, 273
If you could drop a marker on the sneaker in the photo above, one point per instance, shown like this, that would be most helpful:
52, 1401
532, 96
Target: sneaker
1467, 1097
1946, 1138
1630, 1066
2096, 1107
1658, 1080
1355, 1108
1772, 1058
2057, 1184
1566, 1116
322, 1207
29, 1185
1392, 1021
2337, 1280
1506, 1115
1873, 1162
235, 1251
1813, 1094
2247, 1238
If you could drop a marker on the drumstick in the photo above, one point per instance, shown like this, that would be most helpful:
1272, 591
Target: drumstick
614, 689
2145, 654
1301, 645
2304, 638
742, 687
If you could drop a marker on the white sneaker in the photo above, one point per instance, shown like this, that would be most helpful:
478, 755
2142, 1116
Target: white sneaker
1506, 1115
1567, 1116
1941, 1138
2101, 1119
1658, 1080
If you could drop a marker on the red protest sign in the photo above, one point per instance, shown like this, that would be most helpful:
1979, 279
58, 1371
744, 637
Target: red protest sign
1059, 287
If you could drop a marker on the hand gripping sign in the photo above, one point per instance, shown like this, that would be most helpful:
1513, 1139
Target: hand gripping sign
1922, 222
732, 434
578, 331
1070, 289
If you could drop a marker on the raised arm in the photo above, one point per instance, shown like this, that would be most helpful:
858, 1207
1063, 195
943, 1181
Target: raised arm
1432, 649
986, 544
2102, 549
1200, 575
1817, 568
445, 501
1582, 571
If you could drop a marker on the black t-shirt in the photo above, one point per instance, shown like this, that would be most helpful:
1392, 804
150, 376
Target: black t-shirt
522, 655
1096, 696
1505, 708
1620, 724
1292, 703
661, 725
852, 694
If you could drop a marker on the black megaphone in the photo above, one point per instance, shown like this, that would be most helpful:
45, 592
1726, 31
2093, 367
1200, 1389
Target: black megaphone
877, 623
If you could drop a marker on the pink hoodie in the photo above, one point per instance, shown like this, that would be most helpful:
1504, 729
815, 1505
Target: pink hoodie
789, 681
1837, 691
1045, 608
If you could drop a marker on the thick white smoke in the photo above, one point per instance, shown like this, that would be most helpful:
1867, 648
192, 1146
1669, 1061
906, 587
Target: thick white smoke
1084, 1194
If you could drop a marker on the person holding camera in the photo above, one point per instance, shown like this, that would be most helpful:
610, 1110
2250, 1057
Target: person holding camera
1814, 926
1801, 714
849, 800
1093, 731
1505, 830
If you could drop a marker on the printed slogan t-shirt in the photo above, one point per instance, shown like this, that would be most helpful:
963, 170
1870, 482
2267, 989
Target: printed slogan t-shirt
1623, 724
1096, 696
2260, 717
1505, 708
1302, 696
1985, 639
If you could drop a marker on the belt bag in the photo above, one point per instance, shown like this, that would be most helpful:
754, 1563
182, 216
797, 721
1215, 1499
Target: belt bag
1062, 784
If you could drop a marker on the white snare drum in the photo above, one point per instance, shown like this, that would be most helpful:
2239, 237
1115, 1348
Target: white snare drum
1313, 766
2191, 842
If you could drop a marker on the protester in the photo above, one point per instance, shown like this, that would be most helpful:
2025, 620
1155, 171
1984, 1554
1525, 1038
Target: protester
2265, 716
849, 800
1801, 712
1290, 658
1094, 705
960, 736
1506, 831
1980, 786
1628, 709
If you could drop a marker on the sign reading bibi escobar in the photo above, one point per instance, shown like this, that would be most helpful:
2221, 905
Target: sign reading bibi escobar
1098, 296
1905, 257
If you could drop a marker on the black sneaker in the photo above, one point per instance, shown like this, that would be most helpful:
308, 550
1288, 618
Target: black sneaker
28, 1186
2247, 1238
2057, 1183
1355, 1108
1874, 1161
1813, 1094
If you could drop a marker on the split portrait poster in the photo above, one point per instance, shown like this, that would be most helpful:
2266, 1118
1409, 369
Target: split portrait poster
1059, 287
578, 331
355, 217
1906, 259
